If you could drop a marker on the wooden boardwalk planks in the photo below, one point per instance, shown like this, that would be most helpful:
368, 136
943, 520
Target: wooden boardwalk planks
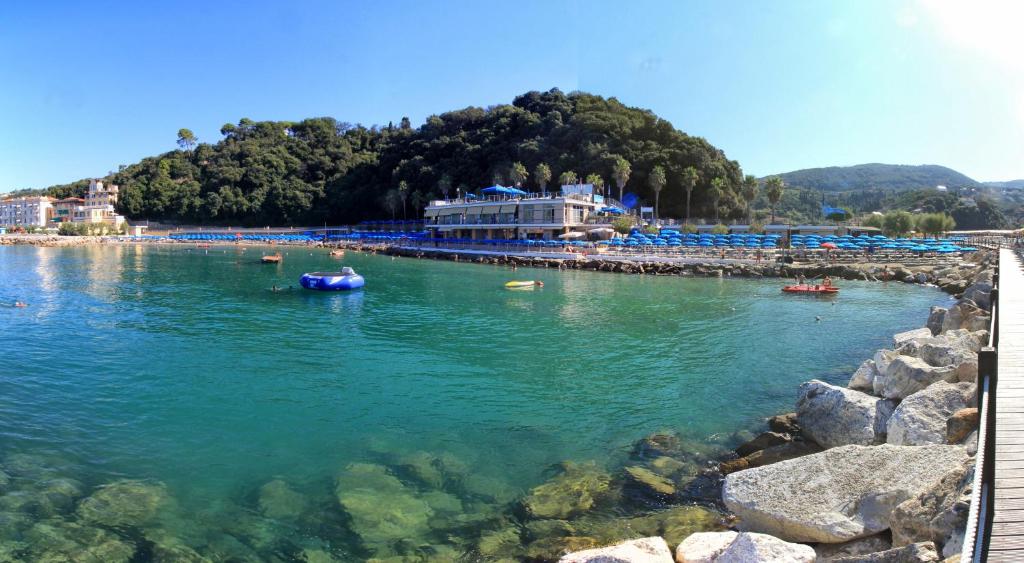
1007, 542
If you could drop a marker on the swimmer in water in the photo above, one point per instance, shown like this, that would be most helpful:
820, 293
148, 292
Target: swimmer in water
20, 304
275, 288
817, 319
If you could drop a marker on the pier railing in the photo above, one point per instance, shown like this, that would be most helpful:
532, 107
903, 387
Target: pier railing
982, 511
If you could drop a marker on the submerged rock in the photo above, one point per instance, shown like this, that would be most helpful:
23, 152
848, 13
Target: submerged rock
771, 455
649, 483
657, 445
60, 540
837, 495
277, 500
123, 503
784, 424
505, 543
763, 441
836, 416
574, 491
673, 524
643, 550
921, 418
382, 509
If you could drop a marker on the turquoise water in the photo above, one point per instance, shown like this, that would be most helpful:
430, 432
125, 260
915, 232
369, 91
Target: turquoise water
181, 365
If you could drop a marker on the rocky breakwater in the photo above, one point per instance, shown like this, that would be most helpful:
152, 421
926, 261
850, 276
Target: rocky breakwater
953, 279
898, 445
879, 470
48, 240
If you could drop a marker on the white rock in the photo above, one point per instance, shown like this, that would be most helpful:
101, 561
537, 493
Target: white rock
758, 548
965, 315
836, 416
704, 547
921, 418
908, 375
882, 360
924, 552
643, 550
863, 379
903, 337
837, 495
860, 546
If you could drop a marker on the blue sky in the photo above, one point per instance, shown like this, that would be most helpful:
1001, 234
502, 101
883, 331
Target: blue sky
778, 86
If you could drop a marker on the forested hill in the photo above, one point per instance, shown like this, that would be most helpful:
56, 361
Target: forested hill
882, 176
321, 170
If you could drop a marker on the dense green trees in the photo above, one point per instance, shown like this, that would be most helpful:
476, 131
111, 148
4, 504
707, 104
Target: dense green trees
321, 170
750, 186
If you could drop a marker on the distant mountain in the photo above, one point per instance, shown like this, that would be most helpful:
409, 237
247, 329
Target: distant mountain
1006, 184
879, 176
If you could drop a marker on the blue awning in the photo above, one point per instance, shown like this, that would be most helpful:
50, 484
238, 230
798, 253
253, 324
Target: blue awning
612, 209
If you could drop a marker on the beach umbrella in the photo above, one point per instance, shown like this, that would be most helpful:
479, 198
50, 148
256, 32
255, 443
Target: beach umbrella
828, 245
571, 235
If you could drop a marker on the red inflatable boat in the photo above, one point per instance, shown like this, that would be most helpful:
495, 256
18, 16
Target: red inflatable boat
806, 288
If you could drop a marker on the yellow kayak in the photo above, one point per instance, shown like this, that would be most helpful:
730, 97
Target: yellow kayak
517, 284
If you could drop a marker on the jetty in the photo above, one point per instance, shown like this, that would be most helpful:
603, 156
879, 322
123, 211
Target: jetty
995, 528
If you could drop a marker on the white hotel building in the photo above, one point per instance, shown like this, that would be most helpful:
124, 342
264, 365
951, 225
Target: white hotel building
533, 216
26, 211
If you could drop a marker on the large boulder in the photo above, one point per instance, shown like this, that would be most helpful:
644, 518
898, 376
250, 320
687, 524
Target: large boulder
961, 424
745, 547
937, 514
837, 495
643, 550
981, 293
864, 378
935, 316
860, 546
907, 375
836, 416
914, 553
921, 418
965, 315
902, 338
882, 360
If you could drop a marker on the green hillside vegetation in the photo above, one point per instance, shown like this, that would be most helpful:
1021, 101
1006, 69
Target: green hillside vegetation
321, 170
876, 176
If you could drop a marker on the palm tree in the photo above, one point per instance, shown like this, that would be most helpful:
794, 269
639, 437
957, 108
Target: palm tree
774, 187
417, 200
597, 181
403, 193
657, 182
391, 201
518, 174
445, 185
620, 173
715, 193
690, 177
542, 175
749, 194
568, 178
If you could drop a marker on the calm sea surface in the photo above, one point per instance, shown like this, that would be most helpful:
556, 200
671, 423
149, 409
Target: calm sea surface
181, 365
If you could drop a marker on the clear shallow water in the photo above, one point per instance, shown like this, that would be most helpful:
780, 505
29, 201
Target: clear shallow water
179, 364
